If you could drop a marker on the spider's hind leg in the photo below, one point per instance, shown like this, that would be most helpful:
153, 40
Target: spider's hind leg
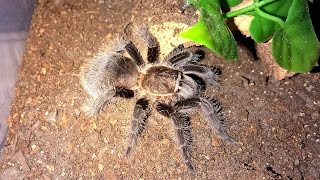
124, 92
181, 124
94, 105
140, 116
211, 111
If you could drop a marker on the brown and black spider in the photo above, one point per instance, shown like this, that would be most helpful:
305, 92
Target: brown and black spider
177, 83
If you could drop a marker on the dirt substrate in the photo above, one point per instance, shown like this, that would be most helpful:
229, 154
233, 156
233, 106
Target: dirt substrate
276, 123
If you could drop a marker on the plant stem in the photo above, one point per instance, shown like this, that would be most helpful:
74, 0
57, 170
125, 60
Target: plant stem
247, 9
270, 17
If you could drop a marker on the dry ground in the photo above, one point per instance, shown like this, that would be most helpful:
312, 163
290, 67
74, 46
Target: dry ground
275, 122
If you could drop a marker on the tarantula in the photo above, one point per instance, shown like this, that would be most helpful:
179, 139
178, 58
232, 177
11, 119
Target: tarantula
177, 83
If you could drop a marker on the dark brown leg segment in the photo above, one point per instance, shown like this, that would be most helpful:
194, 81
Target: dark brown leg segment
139, 119
183, 134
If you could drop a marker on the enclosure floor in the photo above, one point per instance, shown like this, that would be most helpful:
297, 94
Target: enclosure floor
276, 123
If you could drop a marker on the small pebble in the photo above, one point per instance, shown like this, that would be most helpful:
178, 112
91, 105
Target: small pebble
50, 168
215, 142
100, 167
113, 122
94, 126
315, 115
165, 141
207, 141
41, 31
33, 146
309, 88
51, 117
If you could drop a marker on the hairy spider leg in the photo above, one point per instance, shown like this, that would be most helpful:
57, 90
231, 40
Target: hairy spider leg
209, 75
180, 56
187, 88
139, 119
211, 111
124, 92
182, 129
134, 53
94, 105
201, 82
152, 44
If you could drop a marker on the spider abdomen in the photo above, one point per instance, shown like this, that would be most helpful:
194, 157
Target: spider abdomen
160, 80
108, 71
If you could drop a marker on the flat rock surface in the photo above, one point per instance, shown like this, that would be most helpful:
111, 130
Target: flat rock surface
276, 123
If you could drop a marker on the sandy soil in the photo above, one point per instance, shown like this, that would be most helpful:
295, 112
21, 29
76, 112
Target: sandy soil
276, 123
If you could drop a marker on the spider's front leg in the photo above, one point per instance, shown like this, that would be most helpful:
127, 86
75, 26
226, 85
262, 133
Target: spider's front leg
152, 44
211, 111
181, 124
140, 116
128, 46
133, 51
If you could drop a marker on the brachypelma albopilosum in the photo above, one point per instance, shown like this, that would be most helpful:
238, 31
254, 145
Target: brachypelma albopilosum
174, 87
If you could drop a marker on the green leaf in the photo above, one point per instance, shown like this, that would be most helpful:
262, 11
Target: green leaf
262, 29
198, 33
212, 31
278, 8
189, 2
229, 3
296, 47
